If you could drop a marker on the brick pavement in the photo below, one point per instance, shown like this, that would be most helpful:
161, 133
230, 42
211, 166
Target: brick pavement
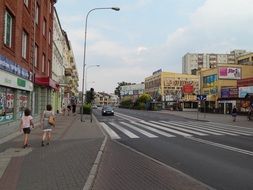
64, 164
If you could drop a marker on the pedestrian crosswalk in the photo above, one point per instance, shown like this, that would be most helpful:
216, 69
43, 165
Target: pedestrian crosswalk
154, 129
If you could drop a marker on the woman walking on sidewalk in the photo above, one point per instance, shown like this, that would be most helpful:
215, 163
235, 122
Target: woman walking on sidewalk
47, 122
25, 124
234, 113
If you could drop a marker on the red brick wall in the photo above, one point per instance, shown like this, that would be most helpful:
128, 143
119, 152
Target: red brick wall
24, 19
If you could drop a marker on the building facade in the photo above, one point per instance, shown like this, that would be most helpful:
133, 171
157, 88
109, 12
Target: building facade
25, 56
191, 62
132, 91
173, 88
220, 86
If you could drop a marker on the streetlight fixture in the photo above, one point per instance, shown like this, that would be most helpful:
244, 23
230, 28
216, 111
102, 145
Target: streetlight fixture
89, 66
84, 49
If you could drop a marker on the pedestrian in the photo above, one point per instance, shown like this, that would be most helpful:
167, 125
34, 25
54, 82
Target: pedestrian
68, 108
47, 123
250, 112
234, 113
25, 124
63, 109
73, 104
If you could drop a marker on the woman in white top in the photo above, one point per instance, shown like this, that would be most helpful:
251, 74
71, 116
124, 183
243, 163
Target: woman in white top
25, 124
46, 126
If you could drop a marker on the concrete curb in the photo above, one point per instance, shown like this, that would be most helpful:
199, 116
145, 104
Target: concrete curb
93, 172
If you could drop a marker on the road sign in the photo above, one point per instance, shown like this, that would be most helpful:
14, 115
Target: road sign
201, 97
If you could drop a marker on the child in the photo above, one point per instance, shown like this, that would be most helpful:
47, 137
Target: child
25, 124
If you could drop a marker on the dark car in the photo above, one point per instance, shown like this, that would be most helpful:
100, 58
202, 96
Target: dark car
107, 110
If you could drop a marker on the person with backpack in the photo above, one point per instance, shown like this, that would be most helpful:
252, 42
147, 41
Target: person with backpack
47, 123
25, 124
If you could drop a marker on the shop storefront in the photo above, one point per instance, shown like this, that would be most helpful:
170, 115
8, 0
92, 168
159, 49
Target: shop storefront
14, 96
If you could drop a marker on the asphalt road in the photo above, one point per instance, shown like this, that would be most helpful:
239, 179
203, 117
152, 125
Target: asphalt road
218, 155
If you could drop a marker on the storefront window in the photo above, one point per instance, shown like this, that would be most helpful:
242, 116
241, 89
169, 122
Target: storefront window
6, 104
22, 103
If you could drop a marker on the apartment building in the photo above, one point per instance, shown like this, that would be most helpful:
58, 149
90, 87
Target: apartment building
191, 62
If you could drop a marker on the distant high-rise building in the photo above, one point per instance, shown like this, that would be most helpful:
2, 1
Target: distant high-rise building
195, 61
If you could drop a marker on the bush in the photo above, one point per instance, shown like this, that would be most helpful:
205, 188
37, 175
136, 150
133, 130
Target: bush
140, 106
86, 109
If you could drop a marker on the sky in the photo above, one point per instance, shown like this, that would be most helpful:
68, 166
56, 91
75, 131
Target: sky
148, 35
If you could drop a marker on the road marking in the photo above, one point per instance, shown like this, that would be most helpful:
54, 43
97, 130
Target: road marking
222, 146
212, 129
127, 117
125, 131
196, 128
150, 135
180, 129
233, 126
109, 131
230, 130
152, 129
167, 129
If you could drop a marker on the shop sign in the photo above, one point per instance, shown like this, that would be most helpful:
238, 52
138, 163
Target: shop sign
9, 66
243, 91
229, 92
10, 80
188, 89
229, 73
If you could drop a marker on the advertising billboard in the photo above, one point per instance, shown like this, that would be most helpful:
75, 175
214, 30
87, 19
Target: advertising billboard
229, 92
243, 91
230, 73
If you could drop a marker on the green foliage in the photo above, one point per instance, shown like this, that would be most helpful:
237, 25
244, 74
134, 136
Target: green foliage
89, 96
126, 103
144, 98
140, 106
86, 108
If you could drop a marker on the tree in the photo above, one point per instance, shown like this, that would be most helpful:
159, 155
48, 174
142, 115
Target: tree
118, 88
90, 96
144, 98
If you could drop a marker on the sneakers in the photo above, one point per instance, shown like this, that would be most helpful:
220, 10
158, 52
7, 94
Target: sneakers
42, 143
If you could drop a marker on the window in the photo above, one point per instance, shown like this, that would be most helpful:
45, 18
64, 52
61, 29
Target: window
6, 104
26, 2
8, 22
44, 27
43, 63
36, 55
37, 14
24, 44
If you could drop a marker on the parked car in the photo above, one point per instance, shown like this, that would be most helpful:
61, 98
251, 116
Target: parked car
94, 107
107, 110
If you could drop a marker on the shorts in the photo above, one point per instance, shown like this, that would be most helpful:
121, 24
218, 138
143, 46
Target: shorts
47, 130
27, 130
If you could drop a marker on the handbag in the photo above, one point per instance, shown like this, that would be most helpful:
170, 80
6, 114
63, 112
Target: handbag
51, 120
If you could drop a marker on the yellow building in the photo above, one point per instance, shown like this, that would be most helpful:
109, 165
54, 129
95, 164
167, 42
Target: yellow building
220, 86
173, 88
245, 59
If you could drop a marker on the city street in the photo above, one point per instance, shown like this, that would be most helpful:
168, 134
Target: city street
214, 153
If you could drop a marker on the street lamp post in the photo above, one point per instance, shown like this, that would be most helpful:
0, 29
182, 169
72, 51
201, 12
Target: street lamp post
84, 50
89, 66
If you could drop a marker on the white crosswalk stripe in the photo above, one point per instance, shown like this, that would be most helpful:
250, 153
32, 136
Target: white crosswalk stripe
226, 129
109, 131
194, 127
180, 128
125, 131
150, 135
155, 129
202, 126
167, 129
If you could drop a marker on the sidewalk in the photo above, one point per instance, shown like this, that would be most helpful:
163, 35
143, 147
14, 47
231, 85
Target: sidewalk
64, 164
212, 117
